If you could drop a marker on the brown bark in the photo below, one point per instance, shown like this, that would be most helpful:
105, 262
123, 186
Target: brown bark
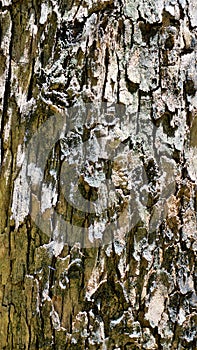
122, 73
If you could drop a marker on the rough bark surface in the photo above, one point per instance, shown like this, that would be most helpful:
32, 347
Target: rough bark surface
137, 57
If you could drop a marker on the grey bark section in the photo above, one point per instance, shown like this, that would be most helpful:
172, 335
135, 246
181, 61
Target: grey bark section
138, 59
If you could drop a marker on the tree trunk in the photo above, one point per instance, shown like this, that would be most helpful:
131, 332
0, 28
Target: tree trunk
98, 174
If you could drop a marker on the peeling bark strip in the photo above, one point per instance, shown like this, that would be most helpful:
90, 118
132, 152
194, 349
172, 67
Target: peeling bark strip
124, 72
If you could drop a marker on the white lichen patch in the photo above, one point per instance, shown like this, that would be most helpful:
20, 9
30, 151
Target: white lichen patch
155, 308
96, 231
191, 155
181, 316
193, 13
35, 173
45, 10
54, 248
21, 198
48, 197
55, 319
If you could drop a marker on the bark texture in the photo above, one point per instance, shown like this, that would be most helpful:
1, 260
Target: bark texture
136, 58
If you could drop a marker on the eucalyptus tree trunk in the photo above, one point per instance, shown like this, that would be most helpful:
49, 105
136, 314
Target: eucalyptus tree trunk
98, 174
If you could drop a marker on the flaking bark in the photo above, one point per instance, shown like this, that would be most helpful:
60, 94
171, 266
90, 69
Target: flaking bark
139, 291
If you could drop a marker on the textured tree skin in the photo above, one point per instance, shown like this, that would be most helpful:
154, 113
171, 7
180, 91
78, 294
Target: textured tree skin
138, 292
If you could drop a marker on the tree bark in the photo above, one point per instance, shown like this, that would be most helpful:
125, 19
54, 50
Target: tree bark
98, 174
